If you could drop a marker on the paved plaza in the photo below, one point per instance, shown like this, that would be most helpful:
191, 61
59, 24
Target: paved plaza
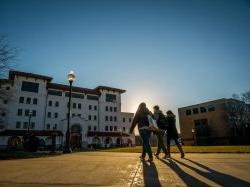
125, 169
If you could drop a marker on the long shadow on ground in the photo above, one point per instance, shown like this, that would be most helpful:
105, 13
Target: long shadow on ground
215, 176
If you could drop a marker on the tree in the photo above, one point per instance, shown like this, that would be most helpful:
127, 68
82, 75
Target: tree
7, 61
238, 115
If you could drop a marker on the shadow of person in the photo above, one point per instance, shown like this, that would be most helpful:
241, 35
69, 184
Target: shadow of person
215, 176
188, 179
150, 175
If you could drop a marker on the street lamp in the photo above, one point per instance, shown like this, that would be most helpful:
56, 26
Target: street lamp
193, 131
30, 115
71, 78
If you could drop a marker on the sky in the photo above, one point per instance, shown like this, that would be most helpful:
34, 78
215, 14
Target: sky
169, 53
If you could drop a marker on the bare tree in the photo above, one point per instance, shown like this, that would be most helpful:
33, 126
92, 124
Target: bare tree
7, 61
238, 115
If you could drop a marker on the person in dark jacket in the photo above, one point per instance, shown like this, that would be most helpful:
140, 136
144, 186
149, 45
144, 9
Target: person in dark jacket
172, 133
162, 125
141, 119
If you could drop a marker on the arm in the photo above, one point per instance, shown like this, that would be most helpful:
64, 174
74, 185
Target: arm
134, 123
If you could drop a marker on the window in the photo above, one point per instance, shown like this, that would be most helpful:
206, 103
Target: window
56, 104
90, 107
56, 115
54, 92
110, 98
124, 120
48, 126
34, 113
49, 114
19, 112
74, 105
188, 112
211, 108
111, 128
195, 111
89, 117
203, 109
106, 128
95, 128
5, 101
115, 118
92, 97
124, 128
111, 109
21, 99
50, 103
18, 124
25, 125
32, 125
89, 128
28, 100
27, 112
110, 118
95, 118
55, 126
79, 106
95, 107
3, 114
130, 120
7, 88
73, 115
106, 118
115, 109
75, 95
35, 101
30, 86
79, 115
107, 108
115, 128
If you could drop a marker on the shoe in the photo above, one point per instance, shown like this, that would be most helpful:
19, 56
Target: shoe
150, 160
182, 155
167, 156
142, 158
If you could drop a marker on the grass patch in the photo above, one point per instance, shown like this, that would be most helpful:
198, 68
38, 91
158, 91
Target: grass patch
188, 149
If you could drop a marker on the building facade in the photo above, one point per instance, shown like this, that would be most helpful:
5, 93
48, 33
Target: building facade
95, 119
213, 123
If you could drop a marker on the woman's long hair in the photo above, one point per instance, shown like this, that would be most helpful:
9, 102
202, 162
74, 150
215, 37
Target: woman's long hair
142, 109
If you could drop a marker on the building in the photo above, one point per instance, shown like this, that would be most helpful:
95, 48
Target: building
215, 123
96, 117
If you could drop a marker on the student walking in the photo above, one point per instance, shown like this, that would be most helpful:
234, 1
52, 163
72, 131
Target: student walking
172, 133
162, 125
141, 119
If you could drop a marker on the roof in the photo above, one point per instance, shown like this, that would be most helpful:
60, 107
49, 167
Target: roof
35, 132
13, 73
74, 89
110, 88
110, 134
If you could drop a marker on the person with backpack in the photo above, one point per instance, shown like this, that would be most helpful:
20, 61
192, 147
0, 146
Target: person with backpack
172, 133
141, 119
162, 125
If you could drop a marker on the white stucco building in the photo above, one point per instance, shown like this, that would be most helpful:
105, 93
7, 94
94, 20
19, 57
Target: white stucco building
96, 116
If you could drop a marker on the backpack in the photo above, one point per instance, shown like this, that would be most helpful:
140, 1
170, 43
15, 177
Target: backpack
162, 121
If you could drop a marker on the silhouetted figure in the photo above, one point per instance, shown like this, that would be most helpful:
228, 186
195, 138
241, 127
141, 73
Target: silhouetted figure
172, 133
141, 119
162, 125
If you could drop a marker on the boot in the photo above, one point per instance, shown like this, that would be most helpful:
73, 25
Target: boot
181, 151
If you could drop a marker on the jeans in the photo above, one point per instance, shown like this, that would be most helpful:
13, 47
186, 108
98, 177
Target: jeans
146, 147
160, 143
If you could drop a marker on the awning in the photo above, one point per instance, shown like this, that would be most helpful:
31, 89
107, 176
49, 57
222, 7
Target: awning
103, 134
35, 132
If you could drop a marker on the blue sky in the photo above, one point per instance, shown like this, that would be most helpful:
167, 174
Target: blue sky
171, 53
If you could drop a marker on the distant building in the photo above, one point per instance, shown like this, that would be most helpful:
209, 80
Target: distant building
217, 122
96, 116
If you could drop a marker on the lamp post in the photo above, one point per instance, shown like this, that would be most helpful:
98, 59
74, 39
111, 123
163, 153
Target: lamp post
30, 115
71, 78
193, 132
